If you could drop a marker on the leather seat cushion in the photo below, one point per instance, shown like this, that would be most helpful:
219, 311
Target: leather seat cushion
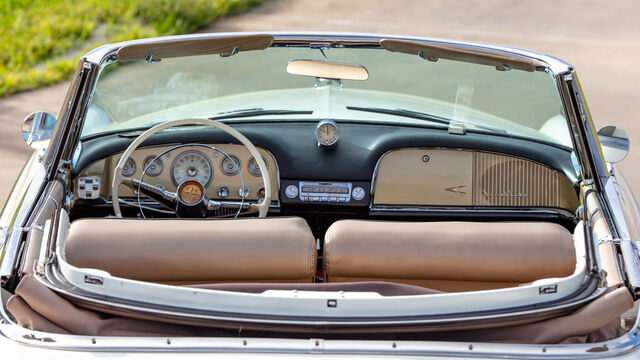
426, 253
179, 251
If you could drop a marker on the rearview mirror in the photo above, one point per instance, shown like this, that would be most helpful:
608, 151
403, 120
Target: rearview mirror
614, 142
37, 129
327, 69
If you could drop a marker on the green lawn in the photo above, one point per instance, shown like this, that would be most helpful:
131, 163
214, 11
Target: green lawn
41, 40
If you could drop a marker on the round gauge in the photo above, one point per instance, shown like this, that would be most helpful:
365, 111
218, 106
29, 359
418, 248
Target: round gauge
153, 169
191, 165
129, 168
327, 133
253, 167
227, 165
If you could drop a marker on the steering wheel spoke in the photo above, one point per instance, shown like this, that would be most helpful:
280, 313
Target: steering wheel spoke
163, 197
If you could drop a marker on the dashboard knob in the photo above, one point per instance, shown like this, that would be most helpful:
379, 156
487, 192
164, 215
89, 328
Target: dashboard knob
291, 191
223, 191
243, 192
358, 193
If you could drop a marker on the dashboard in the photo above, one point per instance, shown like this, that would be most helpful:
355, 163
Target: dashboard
372, 166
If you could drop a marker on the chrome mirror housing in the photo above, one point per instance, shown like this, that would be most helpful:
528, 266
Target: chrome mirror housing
37, 129
614, 142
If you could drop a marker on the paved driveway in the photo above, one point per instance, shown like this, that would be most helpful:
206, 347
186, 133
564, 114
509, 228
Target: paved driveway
601, 38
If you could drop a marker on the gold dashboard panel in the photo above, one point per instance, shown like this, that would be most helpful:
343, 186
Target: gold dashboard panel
104, 169
451, 177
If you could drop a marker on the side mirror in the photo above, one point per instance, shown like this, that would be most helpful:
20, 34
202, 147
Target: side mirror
614, 142
37, 129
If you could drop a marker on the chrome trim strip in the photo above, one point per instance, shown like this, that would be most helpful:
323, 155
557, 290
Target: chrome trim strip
33, 176
275, 204
628, 246
425, 210
625, 344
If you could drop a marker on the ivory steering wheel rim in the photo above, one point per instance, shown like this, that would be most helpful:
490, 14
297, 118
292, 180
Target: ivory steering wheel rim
263, 207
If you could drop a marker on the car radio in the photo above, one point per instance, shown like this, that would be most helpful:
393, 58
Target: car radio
325, 192
328, 192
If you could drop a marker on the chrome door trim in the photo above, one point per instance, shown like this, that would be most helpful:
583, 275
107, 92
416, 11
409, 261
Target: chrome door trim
625, 344
18, 210
628, 246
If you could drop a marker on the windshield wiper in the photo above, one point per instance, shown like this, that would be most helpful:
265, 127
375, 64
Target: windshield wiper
257, 112
403, 112
420, 116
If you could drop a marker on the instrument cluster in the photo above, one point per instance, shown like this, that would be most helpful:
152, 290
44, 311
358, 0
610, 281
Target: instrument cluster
226, 173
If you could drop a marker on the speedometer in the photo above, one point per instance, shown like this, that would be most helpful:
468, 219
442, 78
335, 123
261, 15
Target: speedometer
191, 165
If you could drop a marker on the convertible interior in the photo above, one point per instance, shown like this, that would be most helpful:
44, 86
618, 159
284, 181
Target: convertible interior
477, 234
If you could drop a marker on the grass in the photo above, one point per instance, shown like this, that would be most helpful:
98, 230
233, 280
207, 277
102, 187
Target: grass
42, 40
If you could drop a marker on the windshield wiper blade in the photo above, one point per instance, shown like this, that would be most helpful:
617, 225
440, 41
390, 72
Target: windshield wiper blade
403, 112
421, 116
257, 112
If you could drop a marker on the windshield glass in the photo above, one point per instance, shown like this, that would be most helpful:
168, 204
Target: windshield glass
136, 94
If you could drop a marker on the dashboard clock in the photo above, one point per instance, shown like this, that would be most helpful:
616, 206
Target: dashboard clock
327, 133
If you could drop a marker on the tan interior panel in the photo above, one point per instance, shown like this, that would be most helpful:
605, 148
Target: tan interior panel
405, 178
104, 169
448, 177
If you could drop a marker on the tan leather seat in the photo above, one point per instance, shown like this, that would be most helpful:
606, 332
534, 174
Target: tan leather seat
447, 256
177, 251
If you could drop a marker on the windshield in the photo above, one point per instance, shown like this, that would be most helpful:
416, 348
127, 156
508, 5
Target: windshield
137, 94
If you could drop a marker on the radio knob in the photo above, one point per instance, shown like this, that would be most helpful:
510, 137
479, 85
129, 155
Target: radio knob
358, 193
291, 191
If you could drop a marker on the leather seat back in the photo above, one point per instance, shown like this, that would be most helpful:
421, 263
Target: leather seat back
447, 256
178, 251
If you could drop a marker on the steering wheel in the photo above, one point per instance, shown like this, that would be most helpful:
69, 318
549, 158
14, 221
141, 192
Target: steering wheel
190, 198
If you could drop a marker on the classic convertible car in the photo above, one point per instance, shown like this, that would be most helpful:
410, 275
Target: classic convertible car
307, 194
